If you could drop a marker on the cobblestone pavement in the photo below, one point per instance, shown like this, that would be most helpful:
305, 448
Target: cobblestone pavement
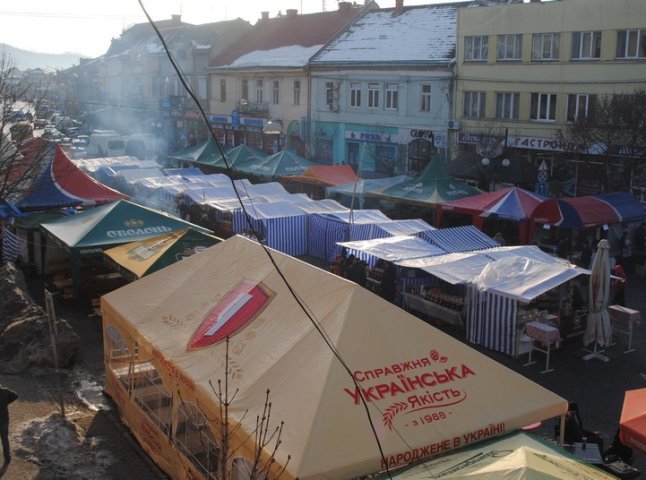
597, 386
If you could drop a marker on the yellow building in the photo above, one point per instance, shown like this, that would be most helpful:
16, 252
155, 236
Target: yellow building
525, 71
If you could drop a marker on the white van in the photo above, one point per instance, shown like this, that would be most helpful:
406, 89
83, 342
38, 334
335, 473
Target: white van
106, 143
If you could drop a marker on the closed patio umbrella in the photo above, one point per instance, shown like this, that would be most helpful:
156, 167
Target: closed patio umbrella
598, 329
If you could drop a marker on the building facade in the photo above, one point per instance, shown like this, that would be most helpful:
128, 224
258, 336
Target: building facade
527, 71
382, 91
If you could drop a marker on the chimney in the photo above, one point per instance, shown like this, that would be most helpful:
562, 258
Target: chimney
264, 15
291, 13
344, 6
176, 19
399, 6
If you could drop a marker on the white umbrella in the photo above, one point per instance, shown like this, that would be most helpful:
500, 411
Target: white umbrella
598, 329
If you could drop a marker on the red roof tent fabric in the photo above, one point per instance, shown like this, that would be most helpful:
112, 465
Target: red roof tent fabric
515, 204
590, 211
326, 175
509, 203
77, 183
18, 167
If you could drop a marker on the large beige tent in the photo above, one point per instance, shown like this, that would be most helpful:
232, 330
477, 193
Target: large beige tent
427, 393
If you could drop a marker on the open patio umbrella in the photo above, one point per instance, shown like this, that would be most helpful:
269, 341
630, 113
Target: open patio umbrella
632, 424
598, 329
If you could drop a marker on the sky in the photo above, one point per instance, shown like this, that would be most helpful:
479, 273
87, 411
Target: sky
86, 27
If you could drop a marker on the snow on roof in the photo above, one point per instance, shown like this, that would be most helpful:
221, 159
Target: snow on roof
289, 56
416, 34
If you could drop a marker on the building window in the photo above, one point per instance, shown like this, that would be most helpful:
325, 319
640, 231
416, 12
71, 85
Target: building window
201, 87
392, 96
425, 98
507, 106
476, 49
579, 106
631, 44
194, 438
545, 46
329, 94
543, 106
420, 153
355, 94
275, 97
223, 90
510, 47
297, 92
244, 89
474, 104
373, 95
259, 90
586, 45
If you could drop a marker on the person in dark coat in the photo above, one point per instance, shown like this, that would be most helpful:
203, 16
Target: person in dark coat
388, 287
6, 397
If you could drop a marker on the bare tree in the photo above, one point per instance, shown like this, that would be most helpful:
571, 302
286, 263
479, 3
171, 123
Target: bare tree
20, 161
266, 439
613, 130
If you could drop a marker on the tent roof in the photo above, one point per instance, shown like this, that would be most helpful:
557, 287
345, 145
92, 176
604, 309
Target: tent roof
589, 211
511, 203
520, 272
396, 248
275, 210
283, 163
322, 206
113, 224
326, 431
434, 185
517, 455
327, 175
459, 239
243, 155
146, 256
405, 227
366, 185
206, 153
63, 184
358, 216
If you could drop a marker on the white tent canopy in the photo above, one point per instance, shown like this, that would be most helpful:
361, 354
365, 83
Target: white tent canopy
520, 272
395, 249
427, 392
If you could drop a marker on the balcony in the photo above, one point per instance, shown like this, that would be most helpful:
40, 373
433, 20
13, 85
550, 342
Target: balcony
246, 106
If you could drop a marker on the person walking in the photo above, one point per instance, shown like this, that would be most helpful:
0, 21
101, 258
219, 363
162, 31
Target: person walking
6, 397
619, 286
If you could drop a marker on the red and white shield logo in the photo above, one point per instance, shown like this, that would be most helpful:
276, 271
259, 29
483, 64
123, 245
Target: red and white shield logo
233, 312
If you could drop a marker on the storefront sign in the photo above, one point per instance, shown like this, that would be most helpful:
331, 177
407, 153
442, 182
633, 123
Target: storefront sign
253, 122
368, 136
529, 143
417, 133
219, 119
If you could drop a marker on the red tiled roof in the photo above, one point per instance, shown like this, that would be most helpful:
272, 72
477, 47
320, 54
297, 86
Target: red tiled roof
304, 30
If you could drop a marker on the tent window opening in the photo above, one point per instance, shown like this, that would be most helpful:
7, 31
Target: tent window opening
152, 396
195, 440
118, 356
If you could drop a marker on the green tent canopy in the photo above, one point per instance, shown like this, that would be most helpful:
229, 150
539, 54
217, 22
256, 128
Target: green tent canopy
433, 186
93, 231
280, 164
207, 153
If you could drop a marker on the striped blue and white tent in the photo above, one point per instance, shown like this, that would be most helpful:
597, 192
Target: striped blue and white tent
393, 228
322, 206
282, 226
393, 249
459, 239
497, 280
327, 229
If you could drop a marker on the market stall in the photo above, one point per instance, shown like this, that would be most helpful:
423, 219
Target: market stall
506, 288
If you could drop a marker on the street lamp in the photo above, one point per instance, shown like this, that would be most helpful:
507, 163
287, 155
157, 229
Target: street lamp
491, 176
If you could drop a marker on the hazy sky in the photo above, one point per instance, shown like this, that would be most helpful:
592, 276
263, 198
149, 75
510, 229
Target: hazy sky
87, 26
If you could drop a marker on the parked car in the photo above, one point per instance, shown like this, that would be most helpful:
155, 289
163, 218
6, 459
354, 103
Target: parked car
40, 123
21, 131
